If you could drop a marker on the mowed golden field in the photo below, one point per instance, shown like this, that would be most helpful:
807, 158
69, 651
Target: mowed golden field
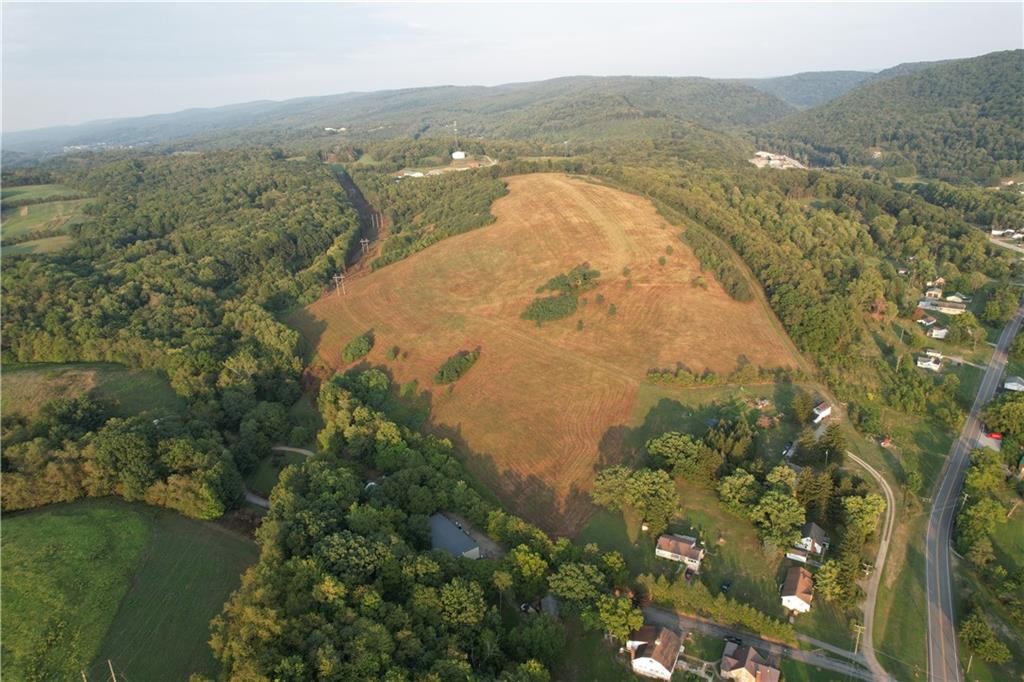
538, 413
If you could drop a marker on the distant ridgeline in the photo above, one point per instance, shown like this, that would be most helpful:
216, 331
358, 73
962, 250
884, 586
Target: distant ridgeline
178, 265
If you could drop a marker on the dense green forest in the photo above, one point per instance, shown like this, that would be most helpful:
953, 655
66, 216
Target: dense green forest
958, 121
348, 588
179, 265
423, 211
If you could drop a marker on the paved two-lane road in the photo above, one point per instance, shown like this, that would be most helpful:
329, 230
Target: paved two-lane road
943, 661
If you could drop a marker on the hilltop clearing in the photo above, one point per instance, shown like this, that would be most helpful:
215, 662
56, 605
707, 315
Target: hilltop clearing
542, 405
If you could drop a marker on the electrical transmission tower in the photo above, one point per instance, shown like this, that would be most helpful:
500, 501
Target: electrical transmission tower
365, 243
339, 281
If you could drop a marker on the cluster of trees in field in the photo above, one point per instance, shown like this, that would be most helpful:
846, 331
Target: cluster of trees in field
777, 501
347, 586
179, 265
714, 256
567, 289
423, 211
357, 347
72, 449
961, 121
454, 367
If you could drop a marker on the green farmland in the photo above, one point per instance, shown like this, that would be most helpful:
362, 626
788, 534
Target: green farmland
102, 579
128, 391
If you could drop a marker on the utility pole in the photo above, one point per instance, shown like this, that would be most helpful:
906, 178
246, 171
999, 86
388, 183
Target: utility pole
339, 280
84, 678
113, 677
365, 243
964, 500
969, 661
858, 628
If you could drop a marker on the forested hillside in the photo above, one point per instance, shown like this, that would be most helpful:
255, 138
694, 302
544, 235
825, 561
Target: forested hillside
178, 265
347, 587
811, 88
961, 121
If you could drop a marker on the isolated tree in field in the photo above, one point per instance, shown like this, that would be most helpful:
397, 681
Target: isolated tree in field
977, 634
357, 347
739, 491
455, 366
685, 456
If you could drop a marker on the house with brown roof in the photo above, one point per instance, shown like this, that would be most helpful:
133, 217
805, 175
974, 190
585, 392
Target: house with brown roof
798, 590
746, 664
682, 548
654, 651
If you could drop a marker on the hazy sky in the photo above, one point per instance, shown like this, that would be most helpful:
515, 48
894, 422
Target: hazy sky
69, 63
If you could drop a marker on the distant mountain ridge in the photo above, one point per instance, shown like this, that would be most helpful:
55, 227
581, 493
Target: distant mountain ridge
579, 105
955, 120
810, 88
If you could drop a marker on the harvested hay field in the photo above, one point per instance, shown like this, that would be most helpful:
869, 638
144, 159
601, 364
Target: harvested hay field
545, 406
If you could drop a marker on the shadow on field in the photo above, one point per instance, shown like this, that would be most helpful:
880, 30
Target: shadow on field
310, 329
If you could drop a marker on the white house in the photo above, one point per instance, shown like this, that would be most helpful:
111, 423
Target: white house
681, 548
926, 362
996, 232
654, 651
813, 538
795, 554
798, 590
1014, 383
934, 293
458, 156
822, 411
932, 353
746, 664
937, 332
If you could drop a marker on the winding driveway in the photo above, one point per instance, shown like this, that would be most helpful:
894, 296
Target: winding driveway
253, 498
943, 659
871, 591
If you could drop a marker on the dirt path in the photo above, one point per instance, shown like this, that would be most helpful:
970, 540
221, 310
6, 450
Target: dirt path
255, 499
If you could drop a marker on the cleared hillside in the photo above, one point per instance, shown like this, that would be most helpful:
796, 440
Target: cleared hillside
540, 408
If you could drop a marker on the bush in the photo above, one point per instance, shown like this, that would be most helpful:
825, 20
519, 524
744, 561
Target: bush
455, 366
567, 287
357, 347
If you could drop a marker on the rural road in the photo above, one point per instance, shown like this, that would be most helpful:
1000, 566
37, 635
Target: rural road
943, 661
871, 591
1011, 247
681, 623
255, 499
